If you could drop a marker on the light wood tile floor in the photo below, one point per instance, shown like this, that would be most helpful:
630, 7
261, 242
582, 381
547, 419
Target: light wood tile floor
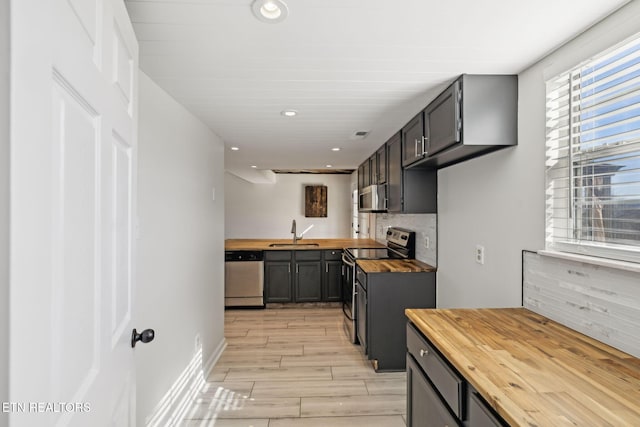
295, 367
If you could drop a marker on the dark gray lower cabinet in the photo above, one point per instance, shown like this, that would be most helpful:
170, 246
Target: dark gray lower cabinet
308, 284
303, 276
437, 395
383, 324
479, 413
278, 281
278, 278
424, 407
332, 284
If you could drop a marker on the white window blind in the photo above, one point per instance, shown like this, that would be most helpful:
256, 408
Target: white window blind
593, 156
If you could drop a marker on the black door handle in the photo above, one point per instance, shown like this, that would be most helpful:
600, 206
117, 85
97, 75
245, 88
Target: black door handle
146, 336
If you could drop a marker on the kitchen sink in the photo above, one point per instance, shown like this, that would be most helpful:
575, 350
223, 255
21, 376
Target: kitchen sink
294, 245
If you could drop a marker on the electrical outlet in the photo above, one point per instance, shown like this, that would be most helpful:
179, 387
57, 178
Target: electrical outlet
427, 242
480, 254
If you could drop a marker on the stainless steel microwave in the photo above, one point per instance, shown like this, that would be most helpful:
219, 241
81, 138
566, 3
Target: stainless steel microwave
373, 199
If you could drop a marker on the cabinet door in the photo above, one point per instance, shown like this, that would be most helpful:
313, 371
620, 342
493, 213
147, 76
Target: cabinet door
373, 168
381, 160
361, 316
308, 281
480, 415
394, 174
412, 140
332, 290
424, 407
366, 173
278, 281
360, 178
442, 120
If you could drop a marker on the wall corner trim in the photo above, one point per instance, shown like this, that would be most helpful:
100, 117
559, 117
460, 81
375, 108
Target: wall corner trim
207, 368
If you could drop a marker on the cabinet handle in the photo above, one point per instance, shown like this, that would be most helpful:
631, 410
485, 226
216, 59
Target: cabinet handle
289, 268
424, 352
415, 148
297, 268
326, 268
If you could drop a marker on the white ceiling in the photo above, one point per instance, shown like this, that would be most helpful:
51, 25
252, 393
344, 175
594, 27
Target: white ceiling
344, 65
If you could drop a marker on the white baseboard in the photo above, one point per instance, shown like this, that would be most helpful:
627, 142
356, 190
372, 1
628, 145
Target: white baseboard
213, 359
177, 401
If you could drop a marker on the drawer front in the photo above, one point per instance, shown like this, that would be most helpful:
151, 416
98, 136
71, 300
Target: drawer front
332, 255
305, 255
449, 384
480, 415
277, 255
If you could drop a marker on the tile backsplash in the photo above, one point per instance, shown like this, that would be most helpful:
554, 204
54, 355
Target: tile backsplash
601, 302
425, 226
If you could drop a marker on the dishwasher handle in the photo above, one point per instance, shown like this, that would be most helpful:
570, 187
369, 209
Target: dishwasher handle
243, 256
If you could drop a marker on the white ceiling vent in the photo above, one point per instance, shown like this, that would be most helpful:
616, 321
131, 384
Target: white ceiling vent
360, 134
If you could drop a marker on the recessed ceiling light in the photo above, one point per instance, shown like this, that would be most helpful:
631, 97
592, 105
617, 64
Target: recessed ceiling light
329, 166
234, 148
254, 166
270, 10
289, 113
335, 149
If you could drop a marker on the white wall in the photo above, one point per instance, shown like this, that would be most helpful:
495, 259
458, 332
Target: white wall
599, 301
266, 210
498, 200
4, 206
180, 290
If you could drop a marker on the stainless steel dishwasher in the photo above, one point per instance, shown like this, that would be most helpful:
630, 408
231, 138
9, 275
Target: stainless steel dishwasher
243, 279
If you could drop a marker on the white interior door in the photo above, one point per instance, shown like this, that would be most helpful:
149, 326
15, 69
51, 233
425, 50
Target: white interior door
73, 160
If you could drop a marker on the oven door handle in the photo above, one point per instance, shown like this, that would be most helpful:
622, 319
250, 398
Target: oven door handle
347, 261
344, 310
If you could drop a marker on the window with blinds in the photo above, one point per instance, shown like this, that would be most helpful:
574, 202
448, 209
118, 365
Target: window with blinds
593, 156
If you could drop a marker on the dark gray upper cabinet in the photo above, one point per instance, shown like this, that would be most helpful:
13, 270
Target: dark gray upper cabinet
409, 190
475, 115
394, 174
381, 165
413, 140
366, 173
360, 178
373, 170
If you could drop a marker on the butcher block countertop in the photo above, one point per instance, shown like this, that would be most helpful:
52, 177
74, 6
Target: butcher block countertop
263, 244
394, 266
534, 371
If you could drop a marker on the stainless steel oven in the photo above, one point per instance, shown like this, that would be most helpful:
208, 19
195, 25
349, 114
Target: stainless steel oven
400, 244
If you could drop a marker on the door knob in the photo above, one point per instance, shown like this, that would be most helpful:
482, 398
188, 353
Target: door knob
145, 336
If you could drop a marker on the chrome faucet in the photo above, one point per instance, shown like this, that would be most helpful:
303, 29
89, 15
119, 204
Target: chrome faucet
295, 234
293, 231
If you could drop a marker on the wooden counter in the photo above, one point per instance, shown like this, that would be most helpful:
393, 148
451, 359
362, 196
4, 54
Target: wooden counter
263, 244
394, 266
534, 371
